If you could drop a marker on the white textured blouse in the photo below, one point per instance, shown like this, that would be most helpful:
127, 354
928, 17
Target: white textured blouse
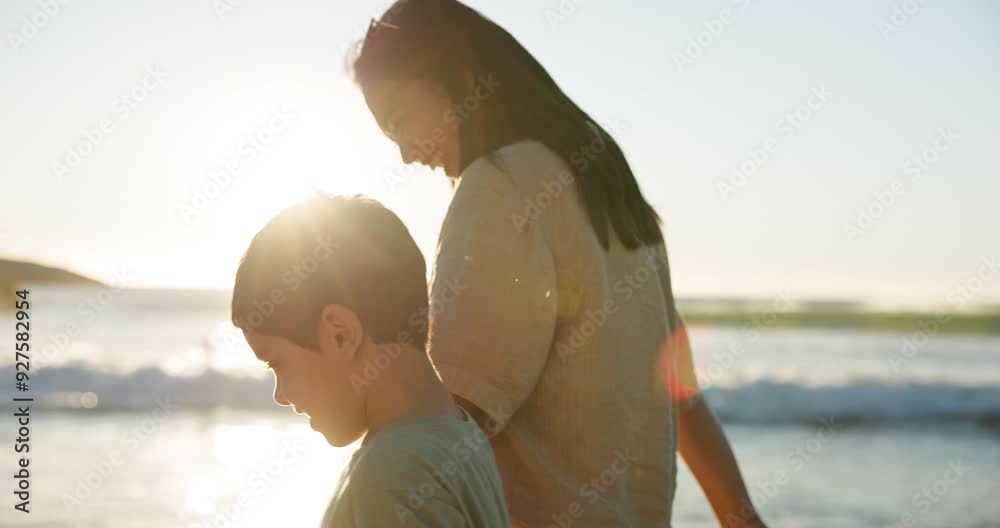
563, 344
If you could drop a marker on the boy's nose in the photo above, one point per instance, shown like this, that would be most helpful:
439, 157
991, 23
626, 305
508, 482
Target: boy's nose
279, 397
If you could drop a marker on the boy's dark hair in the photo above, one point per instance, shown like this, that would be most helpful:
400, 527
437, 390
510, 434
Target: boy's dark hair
438, 40
350, 251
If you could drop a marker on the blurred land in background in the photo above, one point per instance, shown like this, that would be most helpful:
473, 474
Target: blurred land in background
749, 313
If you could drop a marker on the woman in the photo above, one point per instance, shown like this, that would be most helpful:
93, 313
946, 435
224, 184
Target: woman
552, 319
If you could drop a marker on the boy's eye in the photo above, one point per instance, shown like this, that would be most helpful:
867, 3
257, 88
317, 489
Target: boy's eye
390, 127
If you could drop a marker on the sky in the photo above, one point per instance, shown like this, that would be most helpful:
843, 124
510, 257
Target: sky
118, 113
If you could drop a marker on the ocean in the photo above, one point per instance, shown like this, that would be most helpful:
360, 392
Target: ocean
150, 411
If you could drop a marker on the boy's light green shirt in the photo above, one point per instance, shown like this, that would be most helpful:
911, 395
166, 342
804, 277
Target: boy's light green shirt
424, 472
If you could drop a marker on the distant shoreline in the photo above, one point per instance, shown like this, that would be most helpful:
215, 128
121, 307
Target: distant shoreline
733, 312
907, 322
15, 272
17, 275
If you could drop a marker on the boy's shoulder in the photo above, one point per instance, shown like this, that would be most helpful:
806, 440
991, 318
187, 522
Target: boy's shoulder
392, 451
413, 470
420, 441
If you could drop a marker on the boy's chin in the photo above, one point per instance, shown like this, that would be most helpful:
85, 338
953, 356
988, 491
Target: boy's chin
335, 443
331, 436
338, 441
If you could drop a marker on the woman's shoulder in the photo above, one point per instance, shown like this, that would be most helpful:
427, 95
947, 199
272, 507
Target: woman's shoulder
527, 151
517, 169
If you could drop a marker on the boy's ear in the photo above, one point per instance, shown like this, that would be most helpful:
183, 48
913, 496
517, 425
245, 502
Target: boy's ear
340, 330
469, 79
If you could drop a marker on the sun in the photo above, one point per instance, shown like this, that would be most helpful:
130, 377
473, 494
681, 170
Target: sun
261, 200
250, 161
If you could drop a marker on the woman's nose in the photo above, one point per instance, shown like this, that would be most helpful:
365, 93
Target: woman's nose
410, 154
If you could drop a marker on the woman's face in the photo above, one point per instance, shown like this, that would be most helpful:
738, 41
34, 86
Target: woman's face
420, 119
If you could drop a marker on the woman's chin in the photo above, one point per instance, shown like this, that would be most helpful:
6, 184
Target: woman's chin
451, 172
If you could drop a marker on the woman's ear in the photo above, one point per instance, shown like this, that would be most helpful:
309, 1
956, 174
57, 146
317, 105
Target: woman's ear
455, 85
340, 330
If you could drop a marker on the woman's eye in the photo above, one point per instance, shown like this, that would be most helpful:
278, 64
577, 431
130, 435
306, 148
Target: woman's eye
394, 127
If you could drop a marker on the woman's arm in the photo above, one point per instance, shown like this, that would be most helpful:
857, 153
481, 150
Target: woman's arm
493, 300
700, 438
704, 447
706, 451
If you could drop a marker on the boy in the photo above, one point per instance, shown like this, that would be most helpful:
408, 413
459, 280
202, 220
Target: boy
332, 295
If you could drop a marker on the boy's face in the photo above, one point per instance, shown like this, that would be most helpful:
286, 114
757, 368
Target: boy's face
316, 383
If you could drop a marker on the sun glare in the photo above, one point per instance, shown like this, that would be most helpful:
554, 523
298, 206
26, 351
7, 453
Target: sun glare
309, 143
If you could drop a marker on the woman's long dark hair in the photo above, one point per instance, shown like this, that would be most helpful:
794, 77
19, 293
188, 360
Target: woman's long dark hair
438, 41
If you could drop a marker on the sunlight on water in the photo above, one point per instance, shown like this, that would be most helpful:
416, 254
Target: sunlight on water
189, 362
226, 350
261, 473
201, 498
234, 452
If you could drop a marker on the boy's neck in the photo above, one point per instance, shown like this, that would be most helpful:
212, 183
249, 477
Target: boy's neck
408, 387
